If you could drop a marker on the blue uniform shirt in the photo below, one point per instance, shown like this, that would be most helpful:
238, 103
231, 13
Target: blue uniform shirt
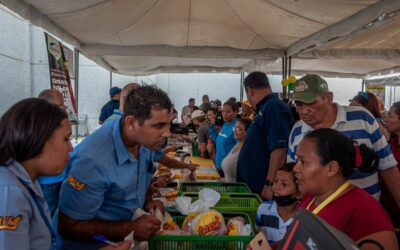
224, 141
115, 116
105, 181
269, 130
108, 109
21, 224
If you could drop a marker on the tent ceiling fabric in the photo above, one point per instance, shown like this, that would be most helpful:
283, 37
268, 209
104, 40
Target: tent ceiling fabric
138, 37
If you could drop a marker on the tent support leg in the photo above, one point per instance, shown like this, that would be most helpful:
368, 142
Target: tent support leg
241, 86
284, 75
76, 87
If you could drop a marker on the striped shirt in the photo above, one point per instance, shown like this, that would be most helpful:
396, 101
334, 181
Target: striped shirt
358, 124
270, 223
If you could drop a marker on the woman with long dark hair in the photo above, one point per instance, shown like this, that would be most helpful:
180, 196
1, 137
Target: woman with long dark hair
34, 141
326, 159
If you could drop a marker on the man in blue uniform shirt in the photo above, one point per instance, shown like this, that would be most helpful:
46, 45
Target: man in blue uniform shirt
265, 147
111, 171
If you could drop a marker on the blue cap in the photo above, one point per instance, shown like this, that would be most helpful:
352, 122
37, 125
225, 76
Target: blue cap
114, 91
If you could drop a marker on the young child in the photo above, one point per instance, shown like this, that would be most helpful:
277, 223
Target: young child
275, 216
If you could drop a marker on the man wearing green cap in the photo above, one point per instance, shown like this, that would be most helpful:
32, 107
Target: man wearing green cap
315, 106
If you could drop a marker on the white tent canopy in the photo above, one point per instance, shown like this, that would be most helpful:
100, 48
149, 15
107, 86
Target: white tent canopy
137, 37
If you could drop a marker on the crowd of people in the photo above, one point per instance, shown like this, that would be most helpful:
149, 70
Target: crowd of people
338, 162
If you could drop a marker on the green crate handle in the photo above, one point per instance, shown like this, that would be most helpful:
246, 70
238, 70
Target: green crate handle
228, 195
221, 187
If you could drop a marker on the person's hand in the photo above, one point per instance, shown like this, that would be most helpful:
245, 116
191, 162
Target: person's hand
145, 226
154, 204
153, 191
161, 182
266, 193
124, 245
192, 168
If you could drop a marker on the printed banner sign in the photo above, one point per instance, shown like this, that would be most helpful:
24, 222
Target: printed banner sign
59, 75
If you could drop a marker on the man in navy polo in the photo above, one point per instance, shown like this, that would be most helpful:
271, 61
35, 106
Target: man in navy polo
108, 108
265, 147
124, 93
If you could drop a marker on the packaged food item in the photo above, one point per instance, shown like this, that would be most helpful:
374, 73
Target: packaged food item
170, 225
187, 222
181, 174
234, 225
207, 198
162, 172
172, 194
207, 173
210, 222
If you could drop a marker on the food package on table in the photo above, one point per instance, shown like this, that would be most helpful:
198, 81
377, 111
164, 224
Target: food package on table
207, 174
163, 171
181, 174
207, 198
236, 226
210, 222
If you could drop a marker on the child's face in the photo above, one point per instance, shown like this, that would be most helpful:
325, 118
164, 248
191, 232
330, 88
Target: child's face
284, 184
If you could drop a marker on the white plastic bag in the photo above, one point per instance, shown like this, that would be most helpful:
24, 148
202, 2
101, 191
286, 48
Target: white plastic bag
200, 220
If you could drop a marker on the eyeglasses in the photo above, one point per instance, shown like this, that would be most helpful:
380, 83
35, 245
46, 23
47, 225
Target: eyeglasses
363, 95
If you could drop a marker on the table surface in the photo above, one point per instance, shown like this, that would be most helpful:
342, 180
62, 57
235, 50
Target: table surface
197, 160
201, 161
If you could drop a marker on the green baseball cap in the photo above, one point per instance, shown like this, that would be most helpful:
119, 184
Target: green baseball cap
309, 87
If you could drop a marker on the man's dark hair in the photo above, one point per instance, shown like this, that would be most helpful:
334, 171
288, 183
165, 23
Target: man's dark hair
26, 127
141, 101
256, 80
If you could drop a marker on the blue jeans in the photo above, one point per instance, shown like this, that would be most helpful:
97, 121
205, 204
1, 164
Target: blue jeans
51, 195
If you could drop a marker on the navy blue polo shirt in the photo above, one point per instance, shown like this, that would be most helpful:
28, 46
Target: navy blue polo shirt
108, 109
269, 130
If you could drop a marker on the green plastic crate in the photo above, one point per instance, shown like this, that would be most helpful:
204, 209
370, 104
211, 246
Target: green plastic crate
245, 203
220, 187
195, 242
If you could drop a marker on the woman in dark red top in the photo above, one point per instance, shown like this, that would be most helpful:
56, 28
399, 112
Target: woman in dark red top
393, 127
326, 158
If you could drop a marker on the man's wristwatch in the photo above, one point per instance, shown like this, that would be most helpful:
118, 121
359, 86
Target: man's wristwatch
268, 183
